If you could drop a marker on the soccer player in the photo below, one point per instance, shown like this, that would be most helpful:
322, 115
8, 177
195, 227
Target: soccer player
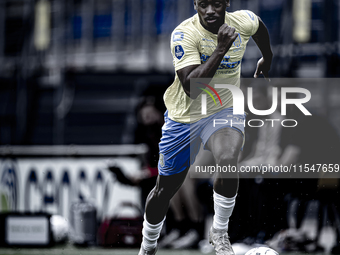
210, 44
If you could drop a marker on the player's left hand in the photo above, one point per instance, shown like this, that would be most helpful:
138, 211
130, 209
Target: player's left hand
263, 67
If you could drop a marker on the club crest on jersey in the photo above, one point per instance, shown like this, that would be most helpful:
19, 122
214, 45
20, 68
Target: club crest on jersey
178, 36
238, 41
179, 52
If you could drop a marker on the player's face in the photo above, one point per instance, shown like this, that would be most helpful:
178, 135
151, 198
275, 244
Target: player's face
211, 13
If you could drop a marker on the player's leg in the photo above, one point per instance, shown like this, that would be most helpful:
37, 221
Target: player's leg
225, 145
157, 205
178, 147
192, 223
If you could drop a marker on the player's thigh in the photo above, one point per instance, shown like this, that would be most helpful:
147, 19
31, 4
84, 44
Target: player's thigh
178, 147
225, 144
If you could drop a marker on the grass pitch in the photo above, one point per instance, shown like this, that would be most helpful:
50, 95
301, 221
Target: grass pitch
71, 250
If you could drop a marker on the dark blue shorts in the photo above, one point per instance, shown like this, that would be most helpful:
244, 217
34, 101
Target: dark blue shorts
181, 142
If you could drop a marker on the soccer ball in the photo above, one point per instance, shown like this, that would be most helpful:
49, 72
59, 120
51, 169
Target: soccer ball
262, 251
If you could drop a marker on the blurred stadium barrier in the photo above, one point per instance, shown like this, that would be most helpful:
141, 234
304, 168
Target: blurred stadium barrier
50, 178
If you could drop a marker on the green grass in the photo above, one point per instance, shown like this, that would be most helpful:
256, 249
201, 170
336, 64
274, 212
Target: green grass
90, 251
71, 250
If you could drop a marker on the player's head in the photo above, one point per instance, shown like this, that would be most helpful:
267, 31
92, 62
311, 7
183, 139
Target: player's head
211, 13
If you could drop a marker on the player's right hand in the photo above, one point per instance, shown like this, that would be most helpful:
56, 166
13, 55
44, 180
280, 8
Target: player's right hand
225, 37
263, 67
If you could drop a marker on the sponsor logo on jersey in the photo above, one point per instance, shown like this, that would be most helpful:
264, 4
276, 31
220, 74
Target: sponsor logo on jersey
179, 52
238, 49
178, 36
225, 64
207, 40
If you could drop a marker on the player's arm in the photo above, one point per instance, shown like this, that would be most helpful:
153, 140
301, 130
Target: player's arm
261, 38
226, 36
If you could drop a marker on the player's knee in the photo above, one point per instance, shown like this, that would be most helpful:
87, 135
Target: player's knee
227, 157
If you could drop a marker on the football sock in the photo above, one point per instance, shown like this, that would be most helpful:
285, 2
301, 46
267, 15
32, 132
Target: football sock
223, 207
151, 234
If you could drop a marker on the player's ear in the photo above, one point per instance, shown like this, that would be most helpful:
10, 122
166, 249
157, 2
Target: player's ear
195, 5
228, 3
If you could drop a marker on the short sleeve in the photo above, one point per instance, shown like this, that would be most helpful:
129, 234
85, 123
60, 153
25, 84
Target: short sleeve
250, 22
184, 49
